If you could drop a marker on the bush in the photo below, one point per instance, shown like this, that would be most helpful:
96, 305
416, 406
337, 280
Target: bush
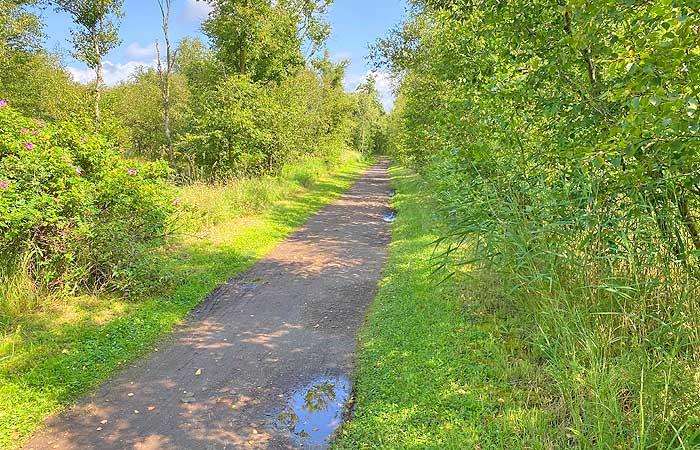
562, 140
72, 210
242, 127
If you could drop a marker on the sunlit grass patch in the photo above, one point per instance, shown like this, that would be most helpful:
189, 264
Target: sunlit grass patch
439, 367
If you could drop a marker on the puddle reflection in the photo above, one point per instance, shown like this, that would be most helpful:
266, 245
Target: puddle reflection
315, 411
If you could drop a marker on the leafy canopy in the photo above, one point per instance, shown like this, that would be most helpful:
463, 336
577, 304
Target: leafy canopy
265, 38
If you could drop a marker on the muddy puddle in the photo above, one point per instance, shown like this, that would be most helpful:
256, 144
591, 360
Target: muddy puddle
315, 411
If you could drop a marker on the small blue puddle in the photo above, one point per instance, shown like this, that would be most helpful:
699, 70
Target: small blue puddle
390, 218
315, 411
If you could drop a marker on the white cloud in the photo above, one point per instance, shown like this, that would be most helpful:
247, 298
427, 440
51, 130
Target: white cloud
137, 53
111, 73
384, 83
196, 11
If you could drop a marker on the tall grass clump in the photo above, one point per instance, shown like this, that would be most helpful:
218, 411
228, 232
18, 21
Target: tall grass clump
613, 316
18, 293
218, 201
562, 141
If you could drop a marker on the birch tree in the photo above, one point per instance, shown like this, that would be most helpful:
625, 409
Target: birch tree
96, 33
164, 74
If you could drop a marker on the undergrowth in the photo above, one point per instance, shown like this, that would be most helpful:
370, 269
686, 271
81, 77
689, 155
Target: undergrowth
440, 362
457, 354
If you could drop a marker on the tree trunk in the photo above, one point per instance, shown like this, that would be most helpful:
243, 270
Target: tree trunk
98, 79
241, 60
98, 92
168, 135
165, 93
586, 54
165, 78
590, 67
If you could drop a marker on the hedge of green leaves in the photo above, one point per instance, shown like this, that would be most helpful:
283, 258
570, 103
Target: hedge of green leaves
73, 213
563, 138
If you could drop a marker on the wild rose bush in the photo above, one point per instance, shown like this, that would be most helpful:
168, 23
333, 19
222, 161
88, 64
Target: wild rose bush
73, 213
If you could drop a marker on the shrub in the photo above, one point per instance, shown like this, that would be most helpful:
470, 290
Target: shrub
77, 214
562, 139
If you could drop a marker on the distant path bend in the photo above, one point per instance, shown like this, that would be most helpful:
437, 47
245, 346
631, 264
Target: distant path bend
218, 382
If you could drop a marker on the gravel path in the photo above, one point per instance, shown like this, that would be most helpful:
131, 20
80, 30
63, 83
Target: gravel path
223, 380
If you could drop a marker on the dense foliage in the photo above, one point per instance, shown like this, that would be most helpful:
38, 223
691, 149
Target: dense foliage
73, 213
563, 137
32, 79
260, 126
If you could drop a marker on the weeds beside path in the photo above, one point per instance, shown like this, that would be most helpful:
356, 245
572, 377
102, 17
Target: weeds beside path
53, 357
441, 367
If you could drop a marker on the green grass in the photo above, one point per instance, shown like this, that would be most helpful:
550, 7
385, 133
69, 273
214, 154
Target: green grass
442, 365
481, 361
54, 355
249, 196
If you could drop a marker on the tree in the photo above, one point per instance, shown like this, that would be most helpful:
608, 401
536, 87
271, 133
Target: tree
198, 63
20, 29
96, 35
368, 115
20, 37
31, 79
164, 75
38, 85
137, 106
263, 38
312, 27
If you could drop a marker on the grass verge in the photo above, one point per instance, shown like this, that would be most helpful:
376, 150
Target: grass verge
52, 356
442, 365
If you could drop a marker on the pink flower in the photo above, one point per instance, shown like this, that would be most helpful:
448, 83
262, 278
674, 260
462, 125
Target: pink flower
177, 203
78, 171
35, 132
131, 172
4, 185
84, 139
64, 158
24, 131
3, 103
40, 123
29, 145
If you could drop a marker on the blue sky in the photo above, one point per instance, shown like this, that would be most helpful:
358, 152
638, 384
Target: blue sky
355, 25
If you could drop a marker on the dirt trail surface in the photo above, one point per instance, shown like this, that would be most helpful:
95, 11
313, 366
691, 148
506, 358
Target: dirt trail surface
222, 381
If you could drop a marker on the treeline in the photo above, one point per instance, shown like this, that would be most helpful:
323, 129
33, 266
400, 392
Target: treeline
562, 138
87, 171
262, 95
